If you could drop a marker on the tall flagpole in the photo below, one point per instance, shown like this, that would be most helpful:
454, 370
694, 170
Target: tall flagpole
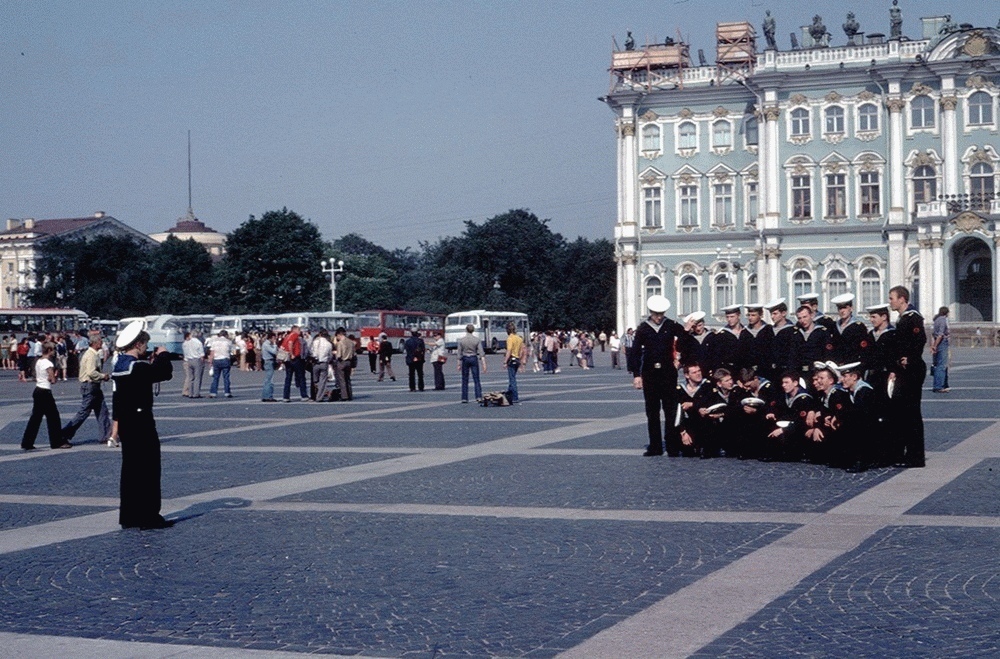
190, 205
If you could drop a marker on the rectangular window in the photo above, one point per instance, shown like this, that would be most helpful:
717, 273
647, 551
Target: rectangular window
689, 205
653, 207
835, 120
801, 197
836, 195
723, 204
869, 193
753, 205
868, 118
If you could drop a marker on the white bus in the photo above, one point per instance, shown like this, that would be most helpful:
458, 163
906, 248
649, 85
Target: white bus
25, 321
317, 320
164, 330
491, 327
238, 324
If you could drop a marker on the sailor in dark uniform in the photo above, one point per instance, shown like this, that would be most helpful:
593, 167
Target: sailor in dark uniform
826, 430
783, 330
133, 410
820, 318
860, 426
757, 395
761, 344
879, 360
851, 334
691, 425
731, 344
659, 343
909, 379
719, 407
789, 414
811, 342
703, 336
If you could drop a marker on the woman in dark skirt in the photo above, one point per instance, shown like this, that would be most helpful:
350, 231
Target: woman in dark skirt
133, 410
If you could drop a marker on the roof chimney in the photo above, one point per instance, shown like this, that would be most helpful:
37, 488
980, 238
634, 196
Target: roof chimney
13, 223
29, 223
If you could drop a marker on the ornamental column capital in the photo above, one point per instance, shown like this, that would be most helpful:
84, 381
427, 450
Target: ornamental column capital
949, 102
895, 105
772, 113
626, 128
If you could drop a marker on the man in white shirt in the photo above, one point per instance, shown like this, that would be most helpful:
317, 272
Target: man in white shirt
321, 350
194, 365
220, 348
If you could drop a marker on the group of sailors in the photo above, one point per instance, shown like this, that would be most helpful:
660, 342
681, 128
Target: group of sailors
819, 389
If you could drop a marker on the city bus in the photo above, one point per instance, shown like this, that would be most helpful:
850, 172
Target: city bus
313, 321
396, 324
24, 321
200, 323
242, 323
491, 328
164, 331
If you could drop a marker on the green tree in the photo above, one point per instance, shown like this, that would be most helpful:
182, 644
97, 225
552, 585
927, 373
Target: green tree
184, 274
272, 265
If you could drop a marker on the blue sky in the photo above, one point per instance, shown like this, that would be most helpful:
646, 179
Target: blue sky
395, 120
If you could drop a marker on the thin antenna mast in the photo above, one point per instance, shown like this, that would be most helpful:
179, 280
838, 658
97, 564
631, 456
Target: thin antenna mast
190, 206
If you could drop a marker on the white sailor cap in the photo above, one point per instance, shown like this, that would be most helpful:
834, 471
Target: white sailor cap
754, 306
881, 307
752, 401
774, 304
853, 367
732, 308
695, 317
657, 304
827, 366
844, 300
129, 334
807, 297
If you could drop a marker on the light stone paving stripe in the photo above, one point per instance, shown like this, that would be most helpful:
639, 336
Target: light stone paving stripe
705, 610
25, 645
54, 500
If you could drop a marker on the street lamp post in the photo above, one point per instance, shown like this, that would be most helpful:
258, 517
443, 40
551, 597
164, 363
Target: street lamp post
332, 269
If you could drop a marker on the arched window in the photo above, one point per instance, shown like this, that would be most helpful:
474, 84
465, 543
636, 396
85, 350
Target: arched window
802, 283
981, 185
722, 134
980, 109
836, 283
922, 112
871, 288
752, 289
687, 136
924, 185
724, 293
651, 137
834, 119
690, 297
653, 287
800, 122
868, 117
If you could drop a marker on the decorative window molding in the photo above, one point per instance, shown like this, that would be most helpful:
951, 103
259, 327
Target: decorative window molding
921, 116
687, 199
799, 126
652, 140
687, 138
923, 177
979, 111
653, 189
867, 121
834, 124
722, 136
799, 174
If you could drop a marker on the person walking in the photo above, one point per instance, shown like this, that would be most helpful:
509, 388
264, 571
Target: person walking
470, 350
269, 355
515, 355
939, 351
416, 349
132, 408
385, 358
43, 403
220, 348
194, 365
438, 359
372, 349
91, 377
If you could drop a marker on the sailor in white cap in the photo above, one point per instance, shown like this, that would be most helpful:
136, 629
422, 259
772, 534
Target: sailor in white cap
861, 426
132, 408
824, 430
851, 337
731, 344
659, 345
911, 340
812, 300
703, 336
781, 349
880, 360
760, 355
810, 343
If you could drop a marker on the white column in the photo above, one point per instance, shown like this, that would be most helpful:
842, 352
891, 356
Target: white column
775, 283
771, 183
897, 180
897, 260
949, 139
629, 169
927, 277
631, 310
937, 257
619, 295
996, 280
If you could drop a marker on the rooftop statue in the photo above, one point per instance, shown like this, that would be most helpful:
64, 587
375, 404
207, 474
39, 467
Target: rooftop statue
818, 32
895, 20
851, 28
795, 41
629, 41
769, 28
949, 25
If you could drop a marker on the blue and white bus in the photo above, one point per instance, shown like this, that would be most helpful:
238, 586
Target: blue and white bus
164, 330
238, 324
491, 327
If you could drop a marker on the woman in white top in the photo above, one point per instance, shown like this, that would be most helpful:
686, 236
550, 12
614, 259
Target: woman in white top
44, 404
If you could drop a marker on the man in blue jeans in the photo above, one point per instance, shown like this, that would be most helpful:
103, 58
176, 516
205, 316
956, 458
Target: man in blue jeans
220, 348
939, 350
470, 354
515, 355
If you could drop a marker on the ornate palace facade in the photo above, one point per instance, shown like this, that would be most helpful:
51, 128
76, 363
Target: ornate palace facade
826, 169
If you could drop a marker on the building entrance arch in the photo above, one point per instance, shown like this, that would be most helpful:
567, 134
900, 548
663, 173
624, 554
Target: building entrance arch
972, 262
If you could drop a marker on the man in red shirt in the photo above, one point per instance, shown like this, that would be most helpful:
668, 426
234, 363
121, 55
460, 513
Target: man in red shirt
292, 344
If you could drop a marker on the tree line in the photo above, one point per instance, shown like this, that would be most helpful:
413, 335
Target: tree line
510, 262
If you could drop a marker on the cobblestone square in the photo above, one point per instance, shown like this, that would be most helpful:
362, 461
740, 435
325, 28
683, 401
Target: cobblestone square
407, 524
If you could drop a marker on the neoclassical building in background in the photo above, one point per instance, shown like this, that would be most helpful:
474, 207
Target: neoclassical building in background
823, 168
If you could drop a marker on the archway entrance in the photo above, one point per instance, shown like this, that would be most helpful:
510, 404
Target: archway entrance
973, 263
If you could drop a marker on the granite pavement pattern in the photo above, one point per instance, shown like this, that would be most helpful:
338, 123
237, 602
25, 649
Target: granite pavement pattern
406, 524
